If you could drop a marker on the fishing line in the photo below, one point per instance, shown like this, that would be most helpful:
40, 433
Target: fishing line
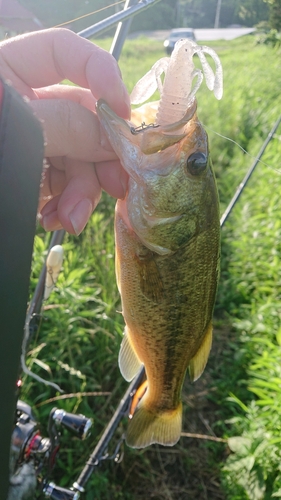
244, 150
89, 14
249, 173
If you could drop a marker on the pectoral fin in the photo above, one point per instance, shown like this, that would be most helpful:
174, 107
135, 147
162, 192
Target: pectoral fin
129, 363
199, 361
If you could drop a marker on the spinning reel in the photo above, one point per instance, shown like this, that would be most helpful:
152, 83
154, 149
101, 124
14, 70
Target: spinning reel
33, 457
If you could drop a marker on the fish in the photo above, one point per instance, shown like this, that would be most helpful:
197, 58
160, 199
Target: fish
167, 235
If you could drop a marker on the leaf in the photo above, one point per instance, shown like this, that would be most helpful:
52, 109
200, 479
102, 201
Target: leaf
234, 399
43, 365
260, 327
39, 244
37, 349
262, 395
255, 486
278, 336
268, 384
239, 444
277, 494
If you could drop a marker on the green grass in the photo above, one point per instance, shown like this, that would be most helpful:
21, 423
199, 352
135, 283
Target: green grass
239, 394
256, 304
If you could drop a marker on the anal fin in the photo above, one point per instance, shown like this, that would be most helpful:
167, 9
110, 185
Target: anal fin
128, 360
199, 361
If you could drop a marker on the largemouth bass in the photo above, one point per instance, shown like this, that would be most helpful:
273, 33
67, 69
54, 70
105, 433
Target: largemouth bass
167, 241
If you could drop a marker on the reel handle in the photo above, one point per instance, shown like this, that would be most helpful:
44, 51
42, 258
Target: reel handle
51, 490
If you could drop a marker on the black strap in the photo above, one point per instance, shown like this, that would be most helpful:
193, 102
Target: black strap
21, 159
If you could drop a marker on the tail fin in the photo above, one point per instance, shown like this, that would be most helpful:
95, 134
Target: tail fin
147, 427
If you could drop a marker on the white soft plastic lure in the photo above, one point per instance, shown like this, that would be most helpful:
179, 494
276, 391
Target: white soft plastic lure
178, 92
53, 267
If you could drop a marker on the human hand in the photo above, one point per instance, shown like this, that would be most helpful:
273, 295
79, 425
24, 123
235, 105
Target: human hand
81, 161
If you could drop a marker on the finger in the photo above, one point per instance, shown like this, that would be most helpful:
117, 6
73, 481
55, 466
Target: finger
47, 57
112, 178
53, 182
48, 216
74, 206
75, 94
72, 130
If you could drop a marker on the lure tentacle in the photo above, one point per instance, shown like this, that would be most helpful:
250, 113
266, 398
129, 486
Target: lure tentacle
149, 83
207, 70
196, 73
218, 83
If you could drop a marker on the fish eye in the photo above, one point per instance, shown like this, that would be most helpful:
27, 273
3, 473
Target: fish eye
196, 163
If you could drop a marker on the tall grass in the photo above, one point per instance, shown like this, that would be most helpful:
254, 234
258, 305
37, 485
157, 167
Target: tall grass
255, 275
238, 397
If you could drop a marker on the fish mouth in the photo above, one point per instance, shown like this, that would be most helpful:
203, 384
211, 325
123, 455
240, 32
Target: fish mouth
104, 112
150, 138
113, 125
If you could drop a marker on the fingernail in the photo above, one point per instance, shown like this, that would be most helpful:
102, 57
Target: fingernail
50, 221
80, 215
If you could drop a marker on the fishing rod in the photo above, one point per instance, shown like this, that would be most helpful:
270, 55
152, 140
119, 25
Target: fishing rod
130, 9
98, 454
242, 184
